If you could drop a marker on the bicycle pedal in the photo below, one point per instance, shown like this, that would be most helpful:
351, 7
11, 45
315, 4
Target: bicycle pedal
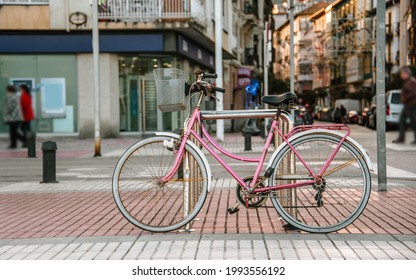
233, 210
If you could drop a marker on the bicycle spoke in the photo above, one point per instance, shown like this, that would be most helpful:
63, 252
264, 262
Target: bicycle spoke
320, 208
153, 205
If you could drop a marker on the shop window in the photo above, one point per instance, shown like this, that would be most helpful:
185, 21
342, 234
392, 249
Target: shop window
138, 99
38, 71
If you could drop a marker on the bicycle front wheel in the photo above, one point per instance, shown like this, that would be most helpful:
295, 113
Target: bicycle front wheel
155, 206
331, 204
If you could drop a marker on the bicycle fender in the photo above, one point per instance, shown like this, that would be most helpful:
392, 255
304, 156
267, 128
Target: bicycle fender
324, 131
198, 150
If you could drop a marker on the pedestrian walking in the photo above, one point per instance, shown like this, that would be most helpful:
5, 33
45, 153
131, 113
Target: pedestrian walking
12, 116
408, 98
27, 110
343, 114
337, 115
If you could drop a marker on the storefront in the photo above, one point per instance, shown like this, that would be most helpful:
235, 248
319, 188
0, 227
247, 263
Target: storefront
138, 100
58, 67
53, 80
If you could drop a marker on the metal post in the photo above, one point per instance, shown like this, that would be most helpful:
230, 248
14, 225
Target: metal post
49, 162
218, 65
265, 71
380, 87
96, 70
247, 141
292, 45
31, 144
288, 167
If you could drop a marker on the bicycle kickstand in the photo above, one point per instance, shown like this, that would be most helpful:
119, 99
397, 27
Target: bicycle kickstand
234, 209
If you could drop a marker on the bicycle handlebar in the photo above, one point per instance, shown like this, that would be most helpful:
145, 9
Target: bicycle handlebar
207, 75
218, 89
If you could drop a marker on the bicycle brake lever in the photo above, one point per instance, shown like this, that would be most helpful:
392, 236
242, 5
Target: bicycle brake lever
213, 96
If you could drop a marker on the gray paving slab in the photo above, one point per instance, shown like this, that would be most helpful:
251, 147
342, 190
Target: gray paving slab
217, 249
42, 249
231, 250
288, 251
274, 250
93, 251
212, 246
162, 251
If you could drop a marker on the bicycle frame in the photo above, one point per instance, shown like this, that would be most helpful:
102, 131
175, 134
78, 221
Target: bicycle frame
196, 117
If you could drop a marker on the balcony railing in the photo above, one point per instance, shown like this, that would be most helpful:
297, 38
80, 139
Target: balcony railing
149, 10
24, 2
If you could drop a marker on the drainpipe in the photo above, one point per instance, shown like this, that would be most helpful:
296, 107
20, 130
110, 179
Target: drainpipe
67, 16
218, 65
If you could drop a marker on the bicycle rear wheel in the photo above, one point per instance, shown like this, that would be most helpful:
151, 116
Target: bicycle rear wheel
153, 206
331, 205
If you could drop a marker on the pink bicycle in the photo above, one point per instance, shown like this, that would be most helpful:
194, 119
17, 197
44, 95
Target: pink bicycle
318, 179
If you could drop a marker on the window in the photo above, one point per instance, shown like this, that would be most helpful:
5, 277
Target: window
24, 2
53, 77
395, 98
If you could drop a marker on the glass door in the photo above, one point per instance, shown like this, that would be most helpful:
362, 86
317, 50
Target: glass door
151, 116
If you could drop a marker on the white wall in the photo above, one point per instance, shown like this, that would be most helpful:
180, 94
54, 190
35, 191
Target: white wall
109, 96
61, 9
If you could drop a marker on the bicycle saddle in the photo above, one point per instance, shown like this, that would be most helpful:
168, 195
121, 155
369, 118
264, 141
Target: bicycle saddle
278, 99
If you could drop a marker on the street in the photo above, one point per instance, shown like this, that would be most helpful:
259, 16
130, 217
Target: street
75, 157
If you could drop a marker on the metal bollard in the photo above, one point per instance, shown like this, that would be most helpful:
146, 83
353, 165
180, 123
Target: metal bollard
247, 141
49, 162
31, 144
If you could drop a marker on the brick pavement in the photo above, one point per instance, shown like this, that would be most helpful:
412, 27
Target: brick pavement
86, 208
77, 219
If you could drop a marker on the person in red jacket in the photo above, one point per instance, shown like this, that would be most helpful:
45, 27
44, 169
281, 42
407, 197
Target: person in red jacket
27, 109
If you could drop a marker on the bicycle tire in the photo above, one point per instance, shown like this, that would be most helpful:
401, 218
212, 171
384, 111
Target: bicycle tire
303, 212
139, 211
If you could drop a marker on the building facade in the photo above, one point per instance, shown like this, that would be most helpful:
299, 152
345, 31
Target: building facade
47, 44
304, 49
340, 60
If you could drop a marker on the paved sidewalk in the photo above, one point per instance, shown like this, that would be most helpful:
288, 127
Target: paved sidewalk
214, 246
78, 219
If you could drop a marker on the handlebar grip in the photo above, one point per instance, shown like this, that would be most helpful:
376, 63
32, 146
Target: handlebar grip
218, 89
210, 75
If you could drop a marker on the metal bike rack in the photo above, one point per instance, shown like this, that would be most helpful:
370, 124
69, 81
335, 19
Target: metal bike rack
238, 114
285, 123
193, 180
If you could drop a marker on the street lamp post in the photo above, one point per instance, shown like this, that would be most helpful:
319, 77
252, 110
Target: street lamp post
380, 88
96, 71
218, 65
292, 44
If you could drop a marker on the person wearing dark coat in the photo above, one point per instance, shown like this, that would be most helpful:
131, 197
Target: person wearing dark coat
408, 99
12, 116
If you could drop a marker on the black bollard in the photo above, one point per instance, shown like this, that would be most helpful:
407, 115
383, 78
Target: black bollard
49, 162
31, 144
247, 141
